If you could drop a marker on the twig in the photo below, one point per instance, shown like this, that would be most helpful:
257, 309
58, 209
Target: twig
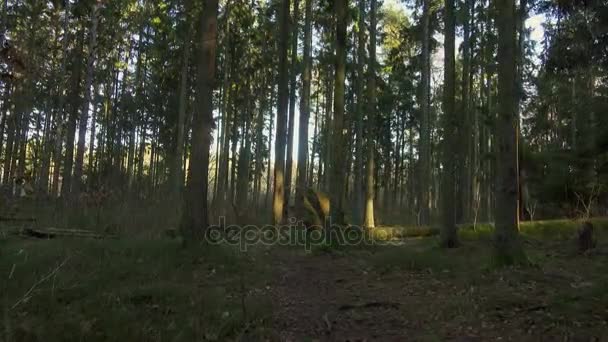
369, 305
10, 275
26, 296
327, 322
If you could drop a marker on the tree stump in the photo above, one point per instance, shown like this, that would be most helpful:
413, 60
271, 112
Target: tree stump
585, 237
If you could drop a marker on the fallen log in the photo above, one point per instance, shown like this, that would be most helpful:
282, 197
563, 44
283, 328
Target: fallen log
50, 233
17, 219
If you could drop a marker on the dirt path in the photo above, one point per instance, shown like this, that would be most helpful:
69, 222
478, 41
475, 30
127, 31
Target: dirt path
346, 298
329, 298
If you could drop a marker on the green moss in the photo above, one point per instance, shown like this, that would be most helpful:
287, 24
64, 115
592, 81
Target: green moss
548, 229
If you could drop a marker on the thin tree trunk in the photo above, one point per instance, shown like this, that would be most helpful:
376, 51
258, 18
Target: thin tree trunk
304, 107
84, 115
358, 182
465, 182
222, 174
177, 172
92, 134
292, 101
5, 115
8, 151
425, 130
311, 167
259, 141
369, 219
268, 175
242, 190
25, 126
132, 127
449, 234
279, 155
337, 131
60, 115
43, 178
66, 182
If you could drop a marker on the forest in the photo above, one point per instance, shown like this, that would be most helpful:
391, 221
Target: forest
304, 170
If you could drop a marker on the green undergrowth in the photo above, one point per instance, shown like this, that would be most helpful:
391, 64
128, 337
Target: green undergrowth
154, 289
546, 229
63, 290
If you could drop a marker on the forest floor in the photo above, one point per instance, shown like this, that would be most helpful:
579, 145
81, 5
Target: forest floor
154, 290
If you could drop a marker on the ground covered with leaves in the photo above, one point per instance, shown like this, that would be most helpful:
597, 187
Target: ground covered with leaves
154, 290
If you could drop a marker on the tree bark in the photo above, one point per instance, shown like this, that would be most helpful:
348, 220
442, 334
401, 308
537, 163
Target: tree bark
425, 130
508, 248
369, 219
304, 108
92, 135
337, 138
84, 115
195, 216
466, 166
222, 187
177, 176
358, 181
279, 155
5, 115
449, 235
66, 182
292, 100
59, 116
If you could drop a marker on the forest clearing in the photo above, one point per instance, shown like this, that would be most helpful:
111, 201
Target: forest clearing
154, 290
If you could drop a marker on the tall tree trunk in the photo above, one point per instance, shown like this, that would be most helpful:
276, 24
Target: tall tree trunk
292, 100
370, 193
121, 111
177, 172
358, 181
279, 155
259, 142
337, 131
142, 150
311, 167
84, 115
425, 130
234, 137
304, 107
8, 150
270, 128
43, 178
466, 166
226, 113
92, 135
242, 188
508, 248
218, 138
5, 115
449, 235
133, 113
60, 114
66, 182
195, 217
25, 126
327, 124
